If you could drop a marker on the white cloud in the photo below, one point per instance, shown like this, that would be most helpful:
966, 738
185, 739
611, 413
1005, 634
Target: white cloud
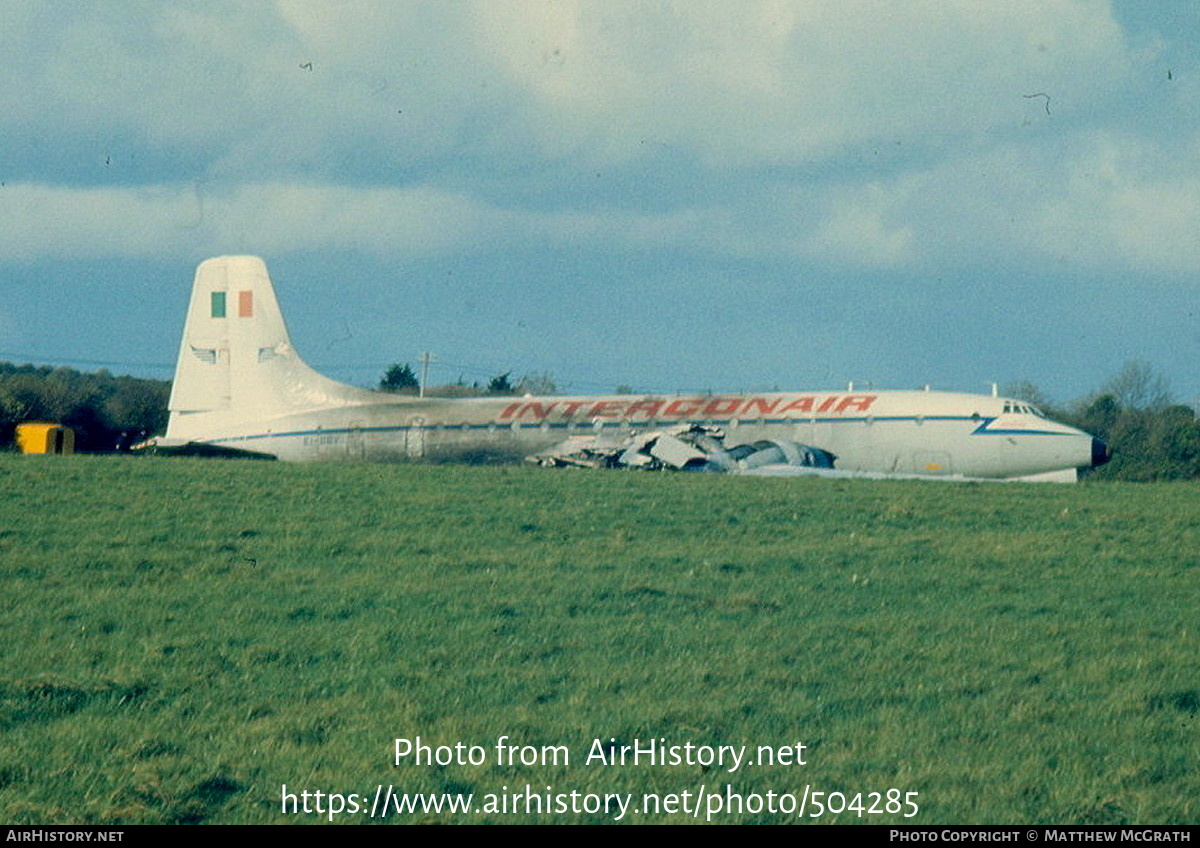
774, 81
858, 231
263, 217
731, 85
1115, 203
65, 222
864, 133
1127, 203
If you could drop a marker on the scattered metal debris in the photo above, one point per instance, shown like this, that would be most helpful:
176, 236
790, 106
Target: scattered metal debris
692, 447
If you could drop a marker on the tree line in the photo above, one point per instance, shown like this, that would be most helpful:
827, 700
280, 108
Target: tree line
401, 379
1152, 436
106, 412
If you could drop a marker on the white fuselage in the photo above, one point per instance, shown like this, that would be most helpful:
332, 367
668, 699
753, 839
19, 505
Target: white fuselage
901, 432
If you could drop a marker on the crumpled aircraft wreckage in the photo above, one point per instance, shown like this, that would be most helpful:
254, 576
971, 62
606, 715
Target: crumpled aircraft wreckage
694, 447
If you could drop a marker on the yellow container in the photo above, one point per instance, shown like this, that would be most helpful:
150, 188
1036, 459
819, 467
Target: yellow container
45, 438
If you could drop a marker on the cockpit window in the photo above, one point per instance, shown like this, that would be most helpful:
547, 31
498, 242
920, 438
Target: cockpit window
1018, 408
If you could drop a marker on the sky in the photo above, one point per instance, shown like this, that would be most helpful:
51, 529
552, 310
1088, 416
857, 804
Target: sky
670, 196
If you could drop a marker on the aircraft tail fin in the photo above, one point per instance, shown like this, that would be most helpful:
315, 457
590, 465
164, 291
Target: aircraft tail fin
236, 359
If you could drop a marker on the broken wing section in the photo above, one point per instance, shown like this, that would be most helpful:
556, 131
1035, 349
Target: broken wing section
687, 448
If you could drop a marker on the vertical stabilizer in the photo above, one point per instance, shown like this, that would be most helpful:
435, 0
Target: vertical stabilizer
236, 362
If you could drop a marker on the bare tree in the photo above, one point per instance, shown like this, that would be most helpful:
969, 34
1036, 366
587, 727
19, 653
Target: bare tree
1027, 391
1139, 386
537, 384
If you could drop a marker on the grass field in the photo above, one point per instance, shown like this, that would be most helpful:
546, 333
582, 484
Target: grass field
179, 639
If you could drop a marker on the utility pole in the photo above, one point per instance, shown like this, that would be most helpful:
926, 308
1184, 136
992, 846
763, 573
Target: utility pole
425, 357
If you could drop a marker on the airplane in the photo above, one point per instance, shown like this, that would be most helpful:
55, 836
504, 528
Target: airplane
241, 388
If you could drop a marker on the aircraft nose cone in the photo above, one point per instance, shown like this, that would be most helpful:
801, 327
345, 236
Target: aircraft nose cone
1101, 453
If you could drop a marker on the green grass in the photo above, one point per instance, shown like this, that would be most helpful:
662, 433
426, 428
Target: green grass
179, 639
